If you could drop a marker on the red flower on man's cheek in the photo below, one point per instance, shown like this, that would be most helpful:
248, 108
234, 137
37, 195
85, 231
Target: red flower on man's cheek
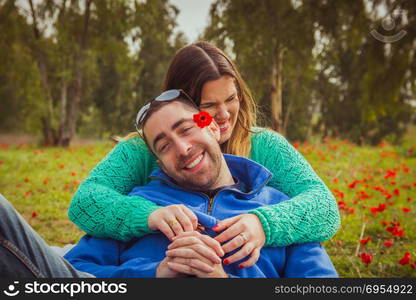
202, 119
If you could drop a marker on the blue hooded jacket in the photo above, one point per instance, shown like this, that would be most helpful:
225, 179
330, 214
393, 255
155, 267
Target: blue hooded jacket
141, 256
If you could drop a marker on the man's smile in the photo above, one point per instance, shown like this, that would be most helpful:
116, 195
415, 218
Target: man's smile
195, 162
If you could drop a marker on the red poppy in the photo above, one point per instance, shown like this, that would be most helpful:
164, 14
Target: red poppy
338, 193
26, 180
384, 223
353, 184
405, 259
202, 119
339, 243
27, 194
390, 174
374, 210
396, 192
381, 207
351, 210
46, 181
366, 258
398, 232
365, 241
61, 166
34, 214
1, 162
73, 174
389, 243
342, 205
406, 209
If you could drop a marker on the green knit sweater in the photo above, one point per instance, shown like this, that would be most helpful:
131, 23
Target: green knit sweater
101, 208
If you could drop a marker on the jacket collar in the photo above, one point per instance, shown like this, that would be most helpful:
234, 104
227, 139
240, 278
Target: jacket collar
251, 174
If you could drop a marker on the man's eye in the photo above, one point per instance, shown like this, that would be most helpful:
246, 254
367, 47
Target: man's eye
231, 99
164, 147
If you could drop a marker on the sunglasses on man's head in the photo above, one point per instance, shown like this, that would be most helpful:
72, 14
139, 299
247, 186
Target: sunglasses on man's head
168, 95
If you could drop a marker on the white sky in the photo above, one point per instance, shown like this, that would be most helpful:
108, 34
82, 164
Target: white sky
193, 16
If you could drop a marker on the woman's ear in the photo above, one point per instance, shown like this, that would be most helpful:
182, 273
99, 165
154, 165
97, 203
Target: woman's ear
215, 130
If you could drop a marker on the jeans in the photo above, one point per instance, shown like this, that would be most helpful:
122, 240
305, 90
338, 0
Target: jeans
23, 253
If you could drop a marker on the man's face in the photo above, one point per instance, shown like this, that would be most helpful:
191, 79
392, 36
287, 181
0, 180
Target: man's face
188, 154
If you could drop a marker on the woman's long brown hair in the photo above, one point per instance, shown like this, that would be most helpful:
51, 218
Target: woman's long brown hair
198, 63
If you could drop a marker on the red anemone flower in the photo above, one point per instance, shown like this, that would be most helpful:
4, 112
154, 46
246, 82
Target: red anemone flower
202, 119
405, 259
365, 241
366, 258
389, 243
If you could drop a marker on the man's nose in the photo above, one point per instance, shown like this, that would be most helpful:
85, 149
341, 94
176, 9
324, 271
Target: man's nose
183, 147
222, 112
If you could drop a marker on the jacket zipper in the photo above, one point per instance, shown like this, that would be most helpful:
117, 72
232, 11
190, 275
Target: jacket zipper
210, 199
210, 204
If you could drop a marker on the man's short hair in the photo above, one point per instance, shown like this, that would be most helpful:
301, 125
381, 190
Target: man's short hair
156, 106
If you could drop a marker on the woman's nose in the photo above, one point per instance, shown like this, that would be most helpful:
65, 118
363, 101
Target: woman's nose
222, 112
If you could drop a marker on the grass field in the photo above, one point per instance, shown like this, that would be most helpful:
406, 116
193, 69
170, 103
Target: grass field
375, 188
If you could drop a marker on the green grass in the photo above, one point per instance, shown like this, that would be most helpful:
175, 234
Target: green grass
41, 181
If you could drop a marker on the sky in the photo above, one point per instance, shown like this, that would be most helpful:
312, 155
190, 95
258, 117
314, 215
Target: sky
193, 16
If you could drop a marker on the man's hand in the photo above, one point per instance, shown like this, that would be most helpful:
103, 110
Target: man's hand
163, 270
196, 254
243, 231
173, 220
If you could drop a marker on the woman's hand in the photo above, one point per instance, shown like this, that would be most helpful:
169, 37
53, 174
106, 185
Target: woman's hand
243, 231
173, 220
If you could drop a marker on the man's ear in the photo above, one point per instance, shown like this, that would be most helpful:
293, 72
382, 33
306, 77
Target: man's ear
215, 129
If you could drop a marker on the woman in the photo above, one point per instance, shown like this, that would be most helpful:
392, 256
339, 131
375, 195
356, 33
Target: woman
101, 208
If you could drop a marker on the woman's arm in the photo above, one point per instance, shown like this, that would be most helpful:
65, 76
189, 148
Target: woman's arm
101, 206
312, 213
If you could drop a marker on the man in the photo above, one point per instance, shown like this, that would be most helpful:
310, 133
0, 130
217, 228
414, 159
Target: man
194, 173
214, 186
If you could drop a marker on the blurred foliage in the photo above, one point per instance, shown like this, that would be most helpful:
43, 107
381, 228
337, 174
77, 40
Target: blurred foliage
337, 78
63, 67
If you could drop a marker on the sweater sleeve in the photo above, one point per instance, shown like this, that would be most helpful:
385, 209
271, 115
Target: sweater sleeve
101, 207
312, 213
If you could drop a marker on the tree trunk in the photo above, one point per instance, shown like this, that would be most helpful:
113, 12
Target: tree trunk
76, 95
276, 92
47, 120
63, 127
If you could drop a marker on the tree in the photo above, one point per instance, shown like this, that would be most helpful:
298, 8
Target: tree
91, 62
365, 84
272, 42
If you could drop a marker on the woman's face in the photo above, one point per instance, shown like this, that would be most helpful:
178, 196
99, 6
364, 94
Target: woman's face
220, 98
